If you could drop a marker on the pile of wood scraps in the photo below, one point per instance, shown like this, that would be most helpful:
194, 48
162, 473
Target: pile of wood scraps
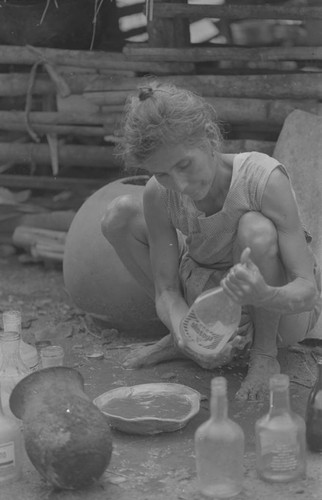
41, 244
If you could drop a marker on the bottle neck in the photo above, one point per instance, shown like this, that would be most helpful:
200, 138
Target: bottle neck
11, 321
219, 406
279, 401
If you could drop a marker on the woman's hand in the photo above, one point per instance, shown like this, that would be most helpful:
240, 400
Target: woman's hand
244, 282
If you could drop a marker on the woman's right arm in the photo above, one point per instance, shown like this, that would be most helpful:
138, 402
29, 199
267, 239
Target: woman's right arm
164, 255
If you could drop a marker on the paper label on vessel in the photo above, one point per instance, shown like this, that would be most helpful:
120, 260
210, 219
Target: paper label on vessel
202, 336
7, 455
284, 451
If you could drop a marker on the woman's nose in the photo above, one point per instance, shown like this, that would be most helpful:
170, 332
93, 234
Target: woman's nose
179, 183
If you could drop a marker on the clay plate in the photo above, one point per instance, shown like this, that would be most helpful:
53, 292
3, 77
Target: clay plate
149, 408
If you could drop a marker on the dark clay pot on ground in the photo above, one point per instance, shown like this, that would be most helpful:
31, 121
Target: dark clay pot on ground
65, 24
67, 438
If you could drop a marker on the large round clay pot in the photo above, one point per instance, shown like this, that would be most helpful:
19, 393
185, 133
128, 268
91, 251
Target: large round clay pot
94, 276
67, 24
67, 438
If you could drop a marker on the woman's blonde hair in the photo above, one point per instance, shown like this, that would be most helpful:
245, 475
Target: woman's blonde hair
162, 114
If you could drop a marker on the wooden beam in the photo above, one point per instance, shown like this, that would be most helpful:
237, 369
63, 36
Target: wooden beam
59, 118
265, 86
68, 155
55, 183
86, 59
168, 32
222, 53
302, 85
197, 11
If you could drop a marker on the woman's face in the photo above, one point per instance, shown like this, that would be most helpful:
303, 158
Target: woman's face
185, 169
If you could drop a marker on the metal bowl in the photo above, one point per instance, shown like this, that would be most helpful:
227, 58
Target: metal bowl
149, 408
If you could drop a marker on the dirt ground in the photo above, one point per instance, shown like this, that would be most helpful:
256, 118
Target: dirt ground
142, 467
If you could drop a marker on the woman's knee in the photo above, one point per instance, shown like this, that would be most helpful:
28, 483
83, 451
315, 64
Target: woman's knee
258, 233
118, 217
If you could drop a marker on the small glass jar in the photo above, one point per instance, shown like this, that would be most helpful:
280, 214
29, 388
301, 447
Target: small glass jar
52, 355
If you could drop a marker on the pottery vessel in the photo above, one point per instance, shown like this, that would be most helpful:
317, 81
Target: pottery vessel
67, 438
94, 276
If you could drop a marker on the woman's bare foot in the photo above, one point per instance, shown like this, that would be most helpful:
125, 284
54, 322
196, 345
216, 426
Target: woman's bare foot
256, 383
163, 350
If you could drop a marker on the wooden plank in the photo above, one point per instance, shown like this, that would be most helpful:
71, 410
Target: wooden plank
68, 155
41, 129
264, 11
88, 59
270, 112
55, 183
167, 32
223, 53
266, 86
59, 118
302, 85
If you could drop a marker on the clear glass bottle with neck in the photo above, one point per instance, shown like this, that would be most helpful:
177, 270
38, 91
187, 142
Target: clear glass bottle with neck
12, 367
314, 413
219, 447
11, 448
280, 437
12, 323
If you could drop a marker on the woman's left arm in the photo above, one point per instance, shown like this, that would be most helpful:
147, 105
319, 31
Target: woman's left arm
300, 293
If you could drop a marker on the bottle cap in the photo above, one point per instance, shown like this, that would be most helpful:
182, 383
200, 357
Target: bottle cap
219, 385
11, 321
280, 381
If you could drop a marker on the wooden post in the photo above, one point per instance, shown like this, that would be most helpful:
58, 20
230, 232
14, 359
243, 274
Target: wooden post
169, 32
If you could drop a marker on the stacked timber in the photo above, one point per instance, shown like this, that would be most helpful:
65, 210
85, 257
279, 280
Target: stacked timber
73, 100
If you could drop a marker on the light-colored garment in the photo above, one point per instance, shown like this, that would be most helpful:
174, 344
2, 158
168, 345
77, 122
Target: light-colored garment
207, 241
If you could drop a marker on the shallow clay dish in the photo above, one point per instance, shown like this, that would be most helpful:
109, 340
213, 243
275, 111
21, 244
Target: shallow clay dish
149, 408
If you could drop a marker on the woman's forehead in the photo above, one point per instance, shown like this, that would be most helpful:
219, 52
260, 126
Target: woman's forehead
167, 157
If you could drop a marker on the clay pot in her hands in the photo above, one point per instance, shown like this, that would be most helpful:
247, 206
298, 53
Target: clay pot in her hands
67, 438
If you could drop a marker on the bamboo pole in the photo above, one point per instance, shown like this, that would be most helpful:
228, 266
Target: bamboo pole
68, 155
222, 53
235, 11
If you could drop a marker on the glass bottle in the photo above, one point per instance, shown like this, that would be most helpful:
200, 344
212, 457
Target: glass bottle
314, 413
219, 447
280, 437
210, 322
12, 323
12, 368
11, 448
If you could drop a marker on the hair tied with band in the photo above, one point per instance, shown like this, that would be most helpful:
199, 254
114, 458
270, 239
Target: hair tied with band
145, 93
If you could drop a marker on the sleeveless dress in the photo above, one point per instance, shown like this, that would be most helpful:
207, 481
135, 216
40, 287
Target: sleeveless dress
206, 242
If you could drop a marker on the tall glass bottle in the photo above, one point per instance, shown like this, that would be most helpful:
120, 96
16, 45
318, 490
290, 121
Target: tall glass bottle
219, 447
280, 437
12, 368
11, 448
12, 323
314, 413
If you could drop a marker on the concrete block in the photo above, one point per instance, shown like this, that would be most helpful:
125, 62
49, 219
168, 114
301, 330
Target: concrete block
299, 148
